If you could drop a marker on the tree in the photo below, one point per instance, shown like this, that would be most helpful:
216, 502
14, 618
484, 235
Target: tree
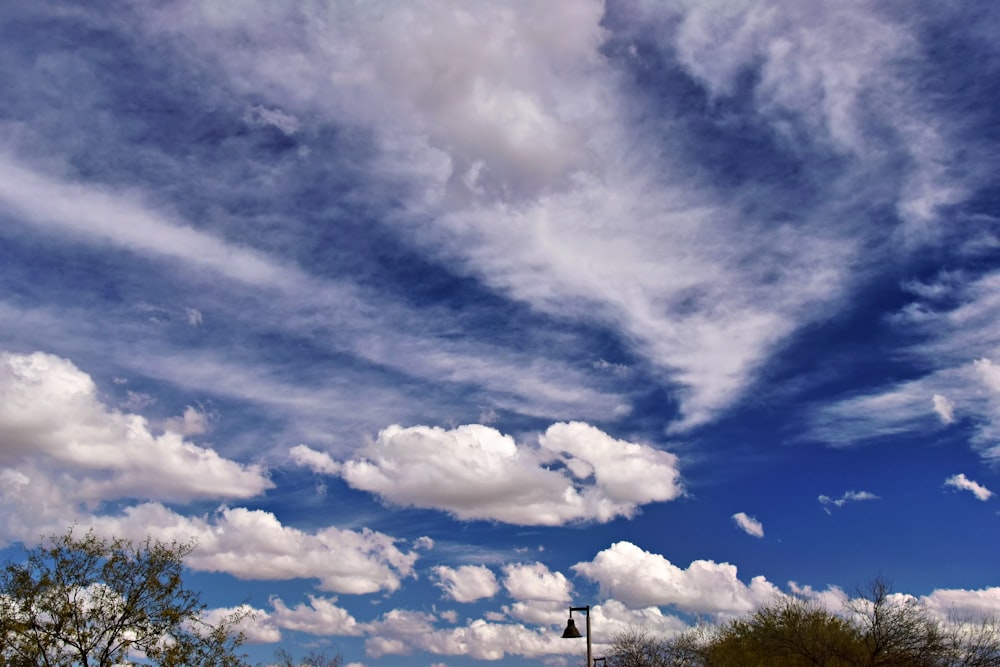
787, 631
897, 630
635, 648
875, 629
313, 659
93, 602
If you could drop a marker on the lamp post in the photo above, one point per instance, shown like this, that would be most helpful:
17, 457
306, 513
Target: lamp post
572, 633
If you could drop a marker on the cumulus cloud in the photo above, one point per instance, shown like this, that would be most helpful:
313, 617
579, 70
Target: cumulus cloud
541, 595
254, 544
833, 598
964, 605
467, 583
321, 616
255, 624
848, 497
643, 579
535, 582
57, 429
476, 472
65, 454
749, 524
401, 632
960, 481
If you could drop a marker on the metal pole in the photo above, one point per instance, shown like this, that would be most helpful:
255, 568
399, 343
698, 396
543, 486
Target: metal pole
590, 659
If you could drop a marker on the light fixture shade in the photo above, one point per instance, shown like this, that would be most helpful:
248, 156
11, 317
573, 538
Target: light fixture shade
571, 632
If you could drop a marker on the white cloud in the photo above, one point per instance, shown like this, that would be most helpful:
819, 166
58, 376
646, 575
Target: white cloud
97, 214
467, 583
57, 429
192, 422
511, 101
642, 579
475, 472
749, 524
964, 605
256, 624
535, 582
318, 462
833, 598
960, 481
253, 544
944, 408
492, 640
961, 344
534, 176
321, 616
66, 453
848, 497
401, 632
612, 617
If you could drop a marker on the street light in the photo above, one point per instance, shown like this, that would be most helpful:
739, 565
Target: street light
572, 633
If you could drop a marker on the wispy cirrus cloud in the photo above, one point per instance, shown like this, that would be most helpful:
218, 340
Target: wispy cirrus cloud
848, 497
954, 316
506, 188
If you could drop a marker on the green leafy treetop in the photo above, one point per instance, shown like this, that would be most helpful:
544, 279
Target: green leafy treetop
93, 602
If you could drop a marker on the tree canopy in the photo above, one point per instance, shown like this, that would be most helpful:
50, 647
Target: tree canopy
94, 602
875, 629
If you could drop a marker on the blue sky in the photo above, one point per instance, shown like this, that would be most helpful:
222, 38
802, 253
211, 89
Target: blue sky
429, 320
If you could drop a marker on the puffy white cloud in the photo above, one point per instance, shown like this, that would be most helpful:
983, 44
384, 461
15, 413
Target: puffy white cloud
833, 598
67, 447
542, 595
535, 582
253, 544
964, 605
476, 472
321, 616
642, 579
960, 481
467, 583
613, 617
255, 624
749, 524
848, 497
401, 632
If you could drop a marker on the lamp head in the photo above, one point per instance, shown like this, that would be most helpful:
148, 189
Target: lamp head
571, 632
